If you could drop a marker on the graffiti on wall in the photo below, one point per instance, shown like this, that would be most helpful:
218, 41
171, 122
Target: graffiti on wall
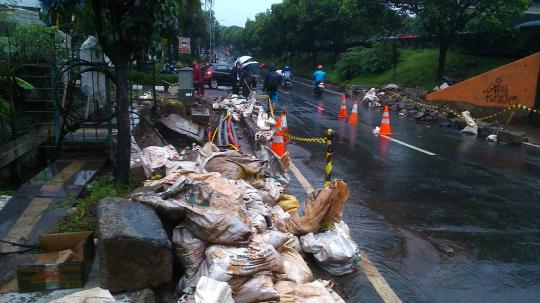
497, 92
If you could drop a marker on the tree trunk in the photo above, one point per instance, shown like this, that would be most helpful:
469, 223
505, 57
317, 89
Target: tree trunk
443, 52
123, 148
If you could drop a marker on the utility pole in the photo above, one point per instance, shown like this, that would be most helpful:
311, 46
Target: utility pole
208, 5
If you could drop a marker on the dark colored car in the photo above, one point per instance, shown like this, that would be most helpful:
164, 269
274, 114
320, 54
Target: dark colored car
217, 75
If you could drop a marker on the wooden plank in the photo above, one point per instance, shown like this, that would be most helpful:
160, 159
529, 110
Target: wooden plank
20, 146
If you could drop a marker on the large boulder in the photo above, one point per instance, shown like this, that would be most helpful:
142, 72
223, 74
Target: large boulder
135, 252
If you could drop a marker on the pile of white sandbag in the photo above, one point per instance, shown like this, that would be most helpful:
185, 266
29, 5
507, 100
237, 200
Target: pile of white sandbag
241, 238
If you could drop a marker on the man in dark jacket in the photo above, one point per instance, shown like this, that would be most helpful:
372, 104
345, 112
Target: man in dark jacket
271, 84
236, 74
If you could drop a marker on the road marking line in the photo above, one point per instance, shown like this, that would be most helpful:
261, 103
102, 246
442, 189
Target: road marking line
327, 90
530, 144
408, 145
378, 281
374, 276
303, 181
317, 107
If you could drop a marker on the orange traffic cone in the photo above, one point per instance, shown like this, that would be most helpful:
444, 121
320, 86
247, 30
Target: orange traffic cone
278, 146
353, 119
343, 110
284, 128
385, 123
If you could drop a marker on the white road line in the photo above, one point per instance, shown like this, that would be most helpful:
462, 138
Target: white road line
374, 276
326, 90
409, 146
530, 144
317, 107
303, 181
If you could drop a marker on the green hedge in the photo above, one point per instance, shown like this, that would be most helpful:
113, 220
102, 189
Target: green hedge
363, 60
148, 79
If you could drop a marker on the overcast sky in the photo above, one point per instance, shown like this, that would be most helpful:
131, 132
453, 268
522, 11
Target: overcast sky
236, 12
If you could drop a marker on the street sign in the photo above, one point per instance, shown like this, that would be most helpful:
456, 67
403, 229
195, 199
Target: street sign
203, 51
184, 45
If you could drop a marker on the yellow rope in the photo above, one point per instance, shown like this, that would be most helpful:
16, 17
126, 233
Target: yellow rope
304, 139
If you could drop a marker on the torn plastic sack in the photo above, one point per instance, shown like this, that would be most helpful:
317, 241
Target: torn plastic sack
371, 97
334, 250
234, 166
271, 192
296, 269
276, 167
280, 218
273, 237
471, 127
217, 226
225, 262
98, 295
260, 288
189, 250
258, 222
155, 158
289, 203
294, 242
212, 291
308, 218
253, 198
317, 291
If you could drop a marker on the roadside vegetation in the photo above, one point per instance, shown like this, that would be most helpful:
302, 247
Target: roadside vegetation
82, 215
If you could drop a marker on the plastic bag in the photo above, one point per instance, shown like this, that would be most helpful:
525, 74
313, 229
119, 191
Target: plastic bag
155, 157
296, 269
258, 222
234, 166
323, 203
272, 191
188, 249
217, 226
212, 291
253, 199
225, 262
289, 203
334, 250
273, 237
260, 288
472, 127
317, 291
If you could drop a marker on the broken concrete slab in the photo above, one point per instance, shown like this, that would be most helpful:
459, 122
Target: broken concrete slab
174, 125
200, 116
509, 137
135, 252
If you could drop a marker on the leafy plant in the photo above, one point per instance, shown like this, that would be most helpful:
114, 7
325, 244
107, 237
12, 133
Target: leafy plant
367, 60
82, 215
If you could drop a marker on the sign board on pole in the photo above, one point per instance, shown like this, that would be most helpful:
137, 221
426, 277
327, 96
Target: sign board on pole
203, 51
184, 45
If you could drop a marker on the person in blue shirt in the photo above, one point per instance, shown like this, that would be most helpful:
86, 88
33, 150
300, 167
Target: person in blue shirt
319, 76
287, 73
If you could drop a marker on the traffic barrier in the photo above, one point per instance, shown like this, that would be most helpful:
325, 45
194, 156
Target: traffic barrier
353, 118
343, 110
328, 141
284, 128
385, 128
329, 155
278, 145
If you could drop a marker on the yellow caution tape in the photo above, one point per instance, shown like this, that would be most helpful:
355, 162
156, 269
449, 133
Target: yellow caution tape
447, 109
321, 140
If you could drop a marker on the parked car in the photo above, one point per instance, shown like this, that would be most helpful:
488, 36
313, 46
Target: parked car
217, 75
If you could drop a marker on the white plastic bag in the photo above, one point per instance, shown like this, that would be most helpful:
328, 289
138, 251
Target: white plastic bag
334, 250
224, 262
260, 288
317, 291
296, 269
212, 291
471, 127
189, 250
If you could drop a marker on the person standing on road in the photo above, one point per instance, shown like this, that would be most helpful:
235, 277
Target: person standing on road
246, 80
318, 76
271, 84
236, 78
198, 81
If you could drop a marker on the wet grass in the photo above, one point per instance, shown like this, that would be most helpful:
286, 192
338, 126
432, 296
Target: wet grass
82, 215
7, 192
418, 68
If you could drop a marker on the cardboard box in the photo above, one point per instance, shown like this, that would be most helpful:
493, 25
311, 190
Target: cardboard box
65, 263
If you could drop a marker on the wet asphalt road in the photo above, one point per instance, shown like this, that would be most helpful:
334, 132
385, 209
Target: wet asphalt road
460, 226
